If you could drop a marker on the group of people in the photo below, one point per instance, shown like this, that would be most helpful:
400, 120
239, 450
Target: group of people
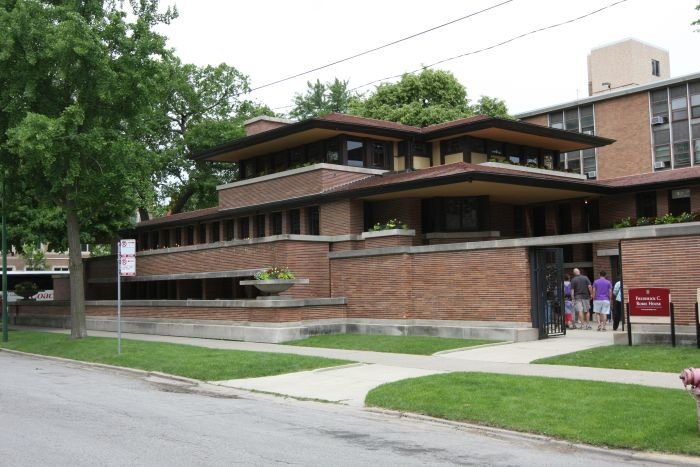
607, 299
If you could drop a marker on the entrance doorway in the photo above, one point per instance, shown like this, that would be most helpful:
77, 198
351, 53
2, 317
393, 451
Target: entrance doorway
547, 285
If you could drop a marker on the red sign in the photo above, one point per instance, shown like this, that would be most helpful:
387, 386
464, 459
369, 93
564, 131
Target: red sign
649, 301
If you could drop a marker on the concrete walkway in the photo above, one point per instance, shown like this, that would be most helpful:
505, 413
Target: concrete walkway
349, 384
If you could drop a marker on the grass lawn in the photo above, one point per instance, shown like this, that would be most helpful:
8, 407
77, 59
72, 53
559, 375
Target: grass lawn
609, 414
417, 345
662, 358
176, 359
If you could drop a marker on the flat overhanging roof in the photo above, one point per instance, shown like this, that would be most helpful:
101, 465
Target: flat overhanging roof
316, 129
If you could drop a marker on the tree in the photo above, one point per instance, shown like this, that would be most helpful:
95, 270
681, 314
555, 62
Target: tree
491, 106
34, 258
322, 98
427, 98
77, 79
696, 22
199, 109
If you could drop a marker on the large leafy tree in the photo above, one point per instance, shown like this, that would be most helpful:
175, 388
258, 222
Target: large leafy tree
322, 98
426, 98
77, 80
491, 106
200, 108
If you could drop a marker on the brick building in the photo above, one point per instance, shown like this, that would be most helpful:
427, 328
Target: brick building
490, 213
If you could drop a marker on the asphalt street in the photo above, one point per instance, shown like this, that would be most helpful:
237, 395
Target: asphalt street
55, 413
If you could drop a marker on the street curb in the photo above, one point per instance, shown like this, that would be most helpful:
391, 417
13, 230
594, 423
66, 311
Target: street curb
123, 369
624, 454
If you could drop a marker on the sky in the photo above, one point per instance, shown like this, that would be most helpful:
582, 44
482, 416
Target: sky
272, 39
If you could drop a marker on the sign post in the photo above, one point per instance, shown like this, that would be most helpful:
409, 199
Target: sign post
651, 303
126, 266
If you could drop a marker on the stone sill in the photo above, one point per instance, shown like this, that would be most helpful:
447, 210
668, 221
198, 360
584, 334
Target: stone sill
388, 233
521, 168
284, 303
482, 234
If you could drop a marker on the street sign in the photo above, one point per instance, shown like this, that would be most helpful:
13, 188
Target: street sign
127, 266
649, 301
127, 247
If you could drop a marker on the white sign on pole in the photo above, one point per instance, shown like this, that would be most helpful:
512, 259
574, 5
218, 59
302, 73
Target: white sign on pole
127, 247
127, 265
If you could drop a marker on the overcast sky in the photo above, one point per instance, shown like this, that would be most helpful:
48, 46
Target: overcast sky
270, 39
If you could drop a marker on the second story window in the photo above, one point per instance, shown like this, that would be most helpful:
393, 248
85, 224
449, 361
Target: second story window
655, 67
356, 153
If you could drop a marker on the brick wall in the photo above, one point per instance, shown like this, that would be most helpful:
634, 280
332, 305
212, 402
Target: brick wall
285, 187
668, 263
625, 119
458, 285
341, 217
308, 260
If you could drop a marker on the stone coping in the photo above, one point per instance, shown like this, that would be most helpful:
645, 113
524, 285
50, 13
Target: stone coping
274, 281
522, 168
388, 233
630, 233
448, 235
283, 303
180, 276
254, 241
300, 170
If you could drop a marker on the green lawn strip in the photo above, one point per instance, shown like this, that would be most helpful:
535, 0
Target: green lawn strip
638, 357
176, 359
608, 414
417, 345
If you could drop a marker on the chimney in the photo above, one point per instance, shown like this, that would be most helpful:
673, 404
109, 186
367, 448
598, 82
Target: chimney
264, 123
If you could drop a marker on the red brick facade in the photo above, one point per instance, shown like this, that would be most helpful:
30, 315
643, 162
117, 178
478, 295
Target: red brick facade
457, 285
668, 263
285, 187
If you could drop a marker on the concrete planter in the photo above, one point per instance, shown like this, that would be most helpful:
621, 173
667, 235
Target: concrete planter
273, 287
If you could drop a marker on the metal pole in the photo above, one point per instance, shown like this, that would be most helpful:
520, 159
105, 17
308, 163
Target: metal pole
119, 300
697, 325
5, 309
629, 325
673, 326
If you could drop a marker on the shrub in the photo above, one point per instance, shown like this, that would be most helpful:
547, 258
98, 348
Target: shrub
389, 225
26, 289
274, 273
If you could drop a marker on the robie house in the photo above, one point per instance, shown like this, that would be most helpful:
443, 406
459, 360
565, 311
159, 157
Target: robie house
485, 217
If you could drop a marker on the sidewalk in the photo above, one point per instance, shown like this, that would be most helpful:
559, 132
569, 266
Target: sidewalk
349, 384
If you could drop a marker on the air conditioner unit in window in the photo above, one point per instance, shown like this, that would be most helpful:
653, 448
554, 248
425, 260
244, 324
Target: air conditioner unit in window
588, 132
591, 174
659, 165
658, 120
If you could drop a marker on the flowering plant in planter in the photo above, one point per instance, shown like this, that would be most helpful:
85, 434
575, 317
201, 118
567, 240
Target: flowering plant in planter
274, 273
389, 225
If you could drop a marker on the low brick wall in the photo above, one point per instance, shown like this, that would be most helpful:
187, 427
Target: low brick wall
469, 285
671, 263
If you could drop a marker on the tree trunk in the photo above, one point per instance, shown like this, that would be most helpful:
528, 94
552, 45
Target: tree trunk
77, 284
181, 200
143, 214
